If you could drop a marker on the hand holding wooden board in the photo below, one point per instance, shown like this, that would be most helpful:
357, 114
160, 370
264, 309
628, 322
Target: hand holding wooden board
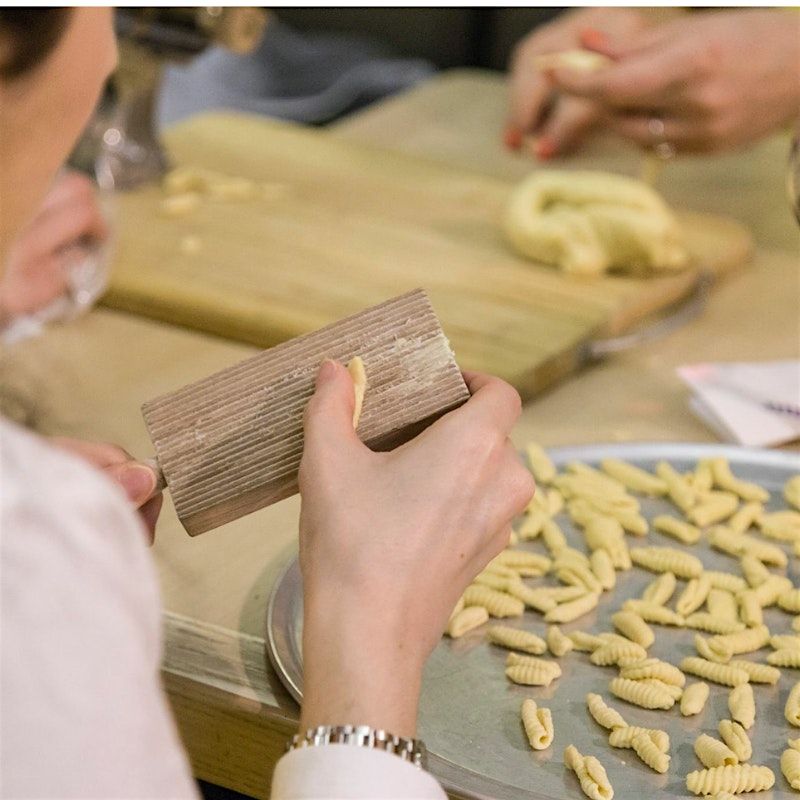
231, 443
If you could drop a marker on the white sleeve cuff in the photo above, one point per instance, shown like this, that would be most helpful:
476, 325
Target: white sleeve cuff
347, 772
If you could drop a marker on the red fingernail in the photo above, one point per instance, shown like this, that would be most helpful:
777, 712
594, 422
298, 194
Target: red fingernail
594, 39
513, 138
544, 148
327, 370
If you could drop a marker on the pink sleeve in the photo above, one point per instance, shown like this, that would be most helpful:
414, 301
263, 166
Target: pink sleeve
83, 712
346, 772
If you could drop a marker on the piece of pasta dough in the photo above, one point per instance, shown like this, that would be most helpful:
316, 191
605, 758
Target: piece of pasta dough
530, 674
616, 653
725, 479
744, 519
558, 643
703, 621
466, 620
677, 529
603, 569
572, 609
553, 537
742, 705
539, 462
713, 507
722, 603
784, 642
792, 708
785, 658
660, 590
678, 489
517, 659
574, 60
768, 592
590, 774
783, 526
759, 673
667, 559
606, 533
718, 673
750, 609
657, 760
498, 604
694, 698
791, 491
790, 601
754, 570
713, 753
634, 628
735, 736
624, 736
516, 639
538, 724
603, 714
634, 478
737, 544
652, 612
359, 375
641, 694
523, 562
693, 596
744, 641
736, 778
790, 767
654, 668
585, 642
726, 580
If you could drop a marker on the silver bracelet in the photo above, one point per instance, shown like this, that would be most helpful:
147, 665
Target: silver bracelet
411, 750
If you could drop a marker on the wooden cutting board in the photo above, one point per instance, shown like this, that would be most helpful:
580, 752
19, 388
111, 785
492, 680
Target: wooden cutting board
343, 226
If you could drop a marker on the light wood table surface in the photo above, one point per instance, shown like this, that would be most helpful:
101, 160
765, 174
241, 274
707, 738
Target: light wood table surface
91, 377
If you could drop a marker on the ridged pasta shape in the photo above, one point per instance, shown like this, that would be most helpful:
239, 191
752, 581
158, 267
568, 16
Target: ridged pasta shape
660, 590
523, 559
785, 658
590, 774
558, 643
654, 668
634, 628
712, 508
614, 652
674, 691
783, 526
498, 604
694, 698
722, 655
677, 529
792, 708
540, 463
603, 714
623, 737
790, 601
726, 580
745, 517
579, 575
718, 673
603, 569
735, 736
790, 767
496, 581
772, 588
693, 596
745, 641
722, 603
713, 753
466, 620
538, 724
725, 479
585, 642
573, 609
667, 559
678, 489
640, 694
516, 639
742, 705
553, 537
533, 598
736, 778
784, 642
652, 612
634, 478
702, 479
703, 621
531, 525
657, 760
791, 491
750, 609
759, 673
530, 674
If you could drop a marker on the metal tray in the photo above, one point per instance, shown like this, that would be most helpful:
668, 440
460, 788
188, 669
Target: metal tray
469, 711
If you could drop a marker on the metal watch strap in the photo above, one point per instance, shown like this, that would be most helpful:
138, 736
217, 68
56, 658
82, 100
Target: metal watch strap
411, 750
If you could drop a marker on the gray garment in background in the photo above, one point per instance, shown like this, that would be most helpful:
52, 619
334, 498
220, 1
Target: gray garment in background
309, 78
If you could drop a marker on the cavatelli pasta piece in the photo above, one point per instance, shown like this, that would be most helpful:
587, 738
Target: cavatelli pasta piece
675, 692
745, 641
660, 590
754, 571
792, 708
578, 575
694, 698
603, 714
495, 581
539, 463
790, 601
702, 479
558, 643
713, 507
652, 612
603, 569
667, 559
790, 767
783, 526
614, 652
735, 736
590, 773
678, 488
538, 724
735, 778
634, 628
722, 655
585, 642
499, 569
531, 671
553, 537
466, 620
714, 753
722, 603
531, 525
726, 580
561, 594
693, 596
759, 673
772, 588
594, 477
517, 559
742, 705
516, 639
534, 598
745, 517
785, 658
498, 604
634, 478
703, 621
718, 673
657, 760
641, 694
677, 529
791, 491
785, 642
605, 533
725, 479
624, 736
654, 668
737, 544
750, 610
573, 609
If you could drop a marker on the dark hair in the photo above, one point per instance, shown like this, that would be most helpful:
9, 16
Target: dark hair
28, 35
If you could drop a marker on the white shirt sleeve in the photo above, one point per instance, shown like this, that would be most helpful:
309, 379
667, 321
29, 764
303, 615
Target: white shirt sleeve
345, 772
83, 712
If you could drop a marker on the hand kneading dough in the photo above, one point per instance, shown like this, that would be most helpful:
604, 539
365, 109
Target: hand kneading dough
589, 222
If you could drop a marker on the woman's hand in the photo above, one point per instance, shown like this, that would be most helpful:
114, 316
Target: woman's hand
36, 272
389, 541
716, 80
558, 121
137, 480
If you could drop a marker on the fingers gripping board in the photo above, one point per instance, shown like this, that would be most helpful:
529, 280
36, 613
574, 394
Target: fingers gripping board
231, 443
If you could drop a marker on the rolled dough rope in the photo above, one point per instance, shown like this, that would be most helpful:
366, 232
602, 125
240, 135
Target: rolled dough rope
359, 375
